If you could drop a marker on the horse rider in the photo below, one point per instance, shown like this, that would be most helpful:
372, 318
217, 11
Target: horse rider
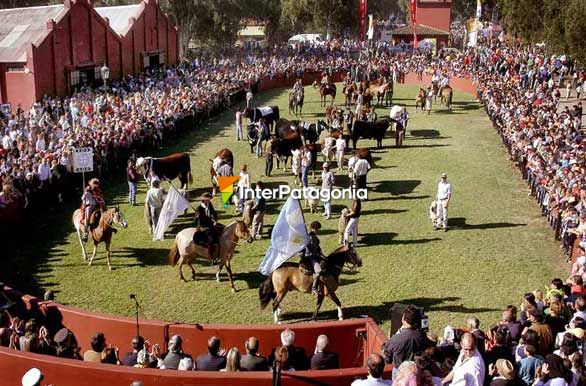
325, 80
348, 80
444, 82
298, 86
92, 201
207, 218
314, 256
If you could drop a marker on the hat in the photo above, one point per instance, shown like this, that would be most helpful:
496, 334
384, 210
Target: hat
444, 175
505, 368
61, 335
206, 196
32, 377
325, 165
577, 332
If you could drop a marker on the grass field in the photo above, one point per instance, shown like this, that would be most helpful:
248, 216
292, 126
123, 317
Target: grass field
498, 248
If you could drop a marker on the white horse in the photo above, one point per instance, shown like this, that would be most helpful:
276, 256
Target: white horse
102, 232
184, 248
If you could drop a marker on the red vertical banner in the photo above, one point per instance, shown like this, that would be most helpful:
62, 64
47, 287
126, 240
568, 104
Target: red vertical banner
414, 21
362, 20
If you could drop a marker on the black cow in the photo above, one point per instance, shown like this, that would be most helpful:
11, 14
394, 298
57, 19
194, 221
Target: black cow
370, 130
255, 114
252, 137
309, 133
166, 168
282, 147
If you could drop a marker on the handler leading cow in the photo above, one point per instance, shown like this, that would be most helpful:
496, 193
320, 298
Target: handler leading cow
166, 168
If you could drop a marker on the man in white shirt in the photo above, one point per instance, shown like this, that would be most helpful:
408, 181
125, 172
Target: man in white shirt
305, 164
154, 199
444, 195
340, 148
361, 168
469, 368
327, 183
375, 365
44, 172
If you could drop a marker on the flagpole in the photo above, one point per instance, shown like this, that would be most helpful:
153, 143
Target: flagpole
302, 215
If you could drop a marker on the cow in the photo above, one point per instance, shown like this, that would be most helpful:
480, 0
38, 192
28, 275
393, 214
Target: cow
309, 132
370, 130
166, 168
282, 147
269, 113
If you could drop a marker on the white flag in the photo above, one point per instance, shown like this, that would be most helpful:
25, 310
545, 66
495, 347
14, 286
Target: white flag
174, 204
289, 237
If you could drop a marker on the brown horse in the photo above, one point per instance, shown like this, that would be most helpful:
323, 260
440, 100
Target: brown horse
325, 90
227, 156
296, 102
101, 233
290, 277
420, 100
184, 248
446, 95
350, 92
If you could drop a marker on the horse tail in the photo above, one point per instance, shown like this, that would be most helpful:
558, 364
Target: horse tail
190, 177
174, 253
266, 292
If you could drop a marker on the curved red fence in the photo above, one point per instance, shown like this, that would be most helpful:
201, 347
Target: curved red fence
345, 339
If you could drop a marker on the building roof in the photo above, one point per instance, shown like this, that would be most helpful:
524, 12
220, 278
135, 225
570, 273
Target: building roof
252, 31
119, 16
19, 27
420, 29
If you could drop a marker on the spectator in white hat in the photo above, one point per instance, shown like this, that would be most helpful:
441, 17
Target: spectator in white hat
32, 377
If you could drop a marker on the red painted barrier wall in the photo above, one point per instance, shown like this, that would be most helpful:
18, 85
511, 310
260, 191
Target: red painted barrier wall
119, 331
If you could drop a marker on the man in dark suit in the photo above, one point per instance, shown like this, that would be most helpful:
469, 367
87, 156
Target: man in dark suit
297, 357
207, 217
252, 361
211, 361
322, 359
174, 354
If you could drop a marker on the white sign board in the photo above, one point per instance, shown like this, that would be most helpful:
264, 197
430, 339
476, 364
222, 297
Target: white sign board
83, 160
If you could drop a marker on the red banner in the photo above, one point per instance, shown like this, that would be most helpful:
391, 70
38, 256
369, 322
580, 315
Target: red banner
414, 21
362, 20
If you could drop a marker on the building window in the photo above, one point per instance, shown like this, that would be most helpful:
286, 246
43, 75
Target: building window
146, 61
97, 73
15, 68
74, 77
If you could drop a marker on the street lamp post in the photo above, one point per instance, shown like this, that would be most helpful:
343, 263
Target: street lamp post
105, 75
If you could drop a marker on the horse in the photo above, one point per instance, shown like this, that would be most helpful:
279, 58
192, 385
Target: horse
331, 112
184, 248
325, 90
446, 95
289, 277
420, 99
269, 113
296, 102
227, 156
102, 232
349, 91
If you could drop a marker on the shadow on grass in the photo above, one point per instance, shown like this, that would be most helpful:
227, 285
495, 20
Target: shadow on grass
381, 313
384, 211
396, 187
388, 238
146, 256
460, 223
426, 133
401, 197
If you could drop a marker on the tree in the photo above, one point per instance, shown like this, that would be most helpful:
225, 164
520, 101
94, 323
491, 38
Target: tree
575, 25
524, 18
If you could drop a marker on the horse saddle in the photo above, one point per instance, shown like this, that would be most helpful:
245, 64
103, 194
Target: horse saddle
305, 267
94, 219
200, 237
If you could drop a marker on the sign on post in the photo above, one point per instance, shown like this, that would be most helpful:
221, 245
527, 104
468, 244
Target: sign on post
83, 160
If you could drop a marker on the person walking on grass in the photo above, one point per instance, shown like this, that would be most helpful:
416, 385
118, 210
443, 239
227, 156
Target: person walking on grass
444, 195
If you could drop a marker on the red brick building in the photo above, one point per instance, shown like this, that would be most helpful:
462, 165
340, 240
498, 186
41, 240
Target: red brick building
53, 49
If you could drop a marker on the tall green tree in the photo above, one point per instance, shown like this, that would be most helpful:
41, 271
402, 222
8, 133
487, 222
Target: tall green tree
524, 18
575, 25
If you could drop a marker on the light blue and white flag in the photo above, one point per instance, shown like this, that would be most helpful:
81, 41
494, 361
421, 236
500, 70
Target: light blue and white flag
289, 237
174, 204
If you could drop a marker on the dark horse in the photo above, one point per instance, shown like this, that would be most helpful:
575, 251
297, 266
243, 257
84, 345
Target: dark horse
253, 137
269, 113
289, 277
228, 157
325, 90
